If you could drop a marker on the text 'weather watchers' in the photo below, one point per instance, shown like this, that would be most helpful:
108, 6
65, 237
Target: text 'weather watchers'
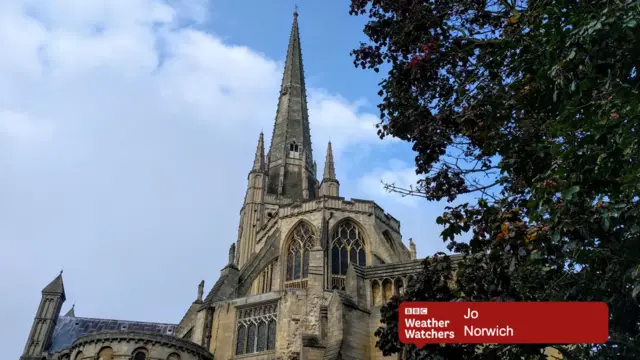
422, 323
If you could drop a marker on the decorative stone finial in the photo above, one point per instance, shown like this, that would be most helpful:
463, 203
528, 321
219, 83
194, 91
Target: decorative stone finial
412, 249
295, 11
232, 254
200, 290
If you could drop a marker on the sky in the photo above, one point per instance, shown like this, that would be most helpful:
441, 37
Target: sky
128, 127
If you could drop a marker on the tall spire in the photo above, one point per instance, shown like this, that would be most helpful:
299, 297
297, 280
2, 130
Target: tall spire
330, 185
258, 161
329, 168
290, 156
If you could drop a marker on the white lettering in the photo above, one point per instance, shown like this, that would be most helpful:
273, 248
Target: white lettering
471, 314
415, 323
501, 331
429, 334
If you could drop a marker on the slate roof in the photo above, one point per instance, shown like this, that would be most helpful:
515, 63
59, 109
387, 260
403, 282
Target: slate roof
68, 329
215, 295
56, 286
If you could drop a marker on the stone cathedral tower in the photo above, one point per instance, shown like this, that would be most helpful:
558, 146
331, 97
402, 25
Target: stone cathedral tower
305, 277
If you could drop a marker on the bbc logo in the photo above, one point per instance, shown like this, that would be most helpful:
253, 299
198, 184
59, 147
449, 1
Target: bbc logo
415, 311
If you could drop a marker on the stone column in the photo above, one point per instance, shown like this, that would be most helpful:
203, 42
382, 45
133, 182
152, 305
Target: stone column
315, 291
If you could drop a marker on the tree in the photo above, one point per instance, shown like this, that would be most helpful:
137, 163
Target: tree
532, 107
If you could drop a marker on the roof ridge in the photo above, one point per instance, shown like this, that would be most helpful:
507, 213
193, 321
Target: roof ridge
127, 321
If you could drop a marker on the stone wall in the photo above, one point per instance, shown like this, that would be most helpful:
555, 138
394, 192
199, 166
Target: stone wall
222, 343
121, 346
356, 344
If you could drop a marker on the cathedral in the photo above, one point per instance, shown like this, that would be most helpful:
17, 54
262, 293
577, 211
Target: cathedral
305, 279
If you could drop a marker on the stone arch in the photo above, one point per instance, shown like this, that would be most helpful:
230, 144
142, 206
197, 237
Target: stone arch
410, 280
79, 355
302, 237
376, 293
389, 240
398, 285
347, 241
106, 353
173, 356
387, 290
140, 354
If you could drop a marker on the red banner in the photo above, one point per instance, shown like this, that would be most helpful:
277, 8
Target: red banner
422, 323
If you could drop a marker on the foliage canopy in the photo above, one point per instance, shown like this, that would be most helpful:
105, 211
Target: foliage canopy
534, 107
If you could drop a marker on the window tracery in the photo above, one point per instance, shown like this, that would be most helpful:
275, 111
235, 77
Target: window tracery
347, 247
256, 331
297, 269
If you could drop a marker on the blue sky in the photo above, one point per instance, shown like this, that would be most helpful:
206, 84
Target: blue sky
130, 175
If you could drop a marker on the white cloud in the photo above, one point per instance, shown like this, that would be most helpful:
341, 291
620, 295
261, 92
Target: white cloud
146, 147
397, 173
20, 127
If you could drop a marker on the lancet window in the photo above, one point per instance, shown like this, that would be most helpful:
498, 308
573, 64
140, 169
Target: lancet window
294, 150
256, 330
347, 247
297, 256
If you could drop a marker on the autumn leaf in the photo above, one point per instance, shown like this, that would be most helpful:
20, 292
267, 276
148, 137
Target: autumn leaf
505, 229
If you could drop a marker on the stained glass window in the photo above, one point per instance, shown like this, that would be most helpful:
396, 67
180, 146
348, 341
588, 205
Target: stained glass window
344, 261
271, 335
256, 329
298, 254
290, 257
362, 258
251, 339
305, 264
296, 267
347, 247
262, 337
335, 260
240, 340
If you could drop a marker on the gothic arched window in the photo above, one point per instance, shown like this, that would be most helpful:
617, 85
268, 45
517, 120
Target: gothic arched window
256, 329
301, 242
347, 247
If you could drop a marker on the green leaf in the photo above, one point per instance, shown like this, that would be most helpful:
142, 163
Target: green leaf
636, 291
568, 194
605, 221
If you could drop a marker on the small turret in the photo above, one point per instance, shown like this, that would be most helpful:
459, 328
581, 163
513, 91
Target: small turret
259, 159
412, 249
200, 292
330, 185
53, 296
232, 254
71, 312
